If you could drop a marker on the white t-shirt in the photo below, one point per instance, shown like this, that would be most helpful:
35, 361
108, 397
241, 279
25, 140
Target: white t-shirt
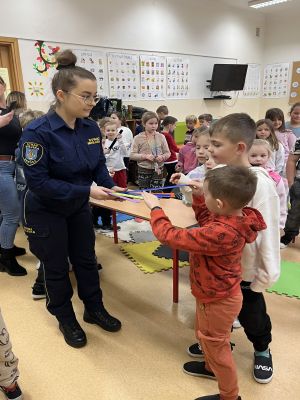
114, 159
127, 138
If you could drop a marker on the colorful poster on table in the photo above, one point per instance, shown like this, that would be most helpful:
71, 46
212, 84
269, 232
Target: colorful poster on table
177, 77
93, 61
252, 82
276, 80
123, 76
295, 83
153, 77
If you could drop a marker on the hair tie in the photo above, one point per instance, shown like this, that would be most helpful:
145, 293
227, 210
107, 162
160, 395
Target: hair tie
61, 66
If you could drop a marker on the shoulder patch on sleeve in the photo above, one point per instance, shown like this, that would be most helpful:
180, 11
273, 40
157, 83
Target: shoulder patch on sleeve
32, 153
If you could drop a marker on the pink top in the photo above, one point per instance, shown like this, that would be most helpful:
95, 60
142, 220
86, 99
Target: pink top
288, 139
187, 159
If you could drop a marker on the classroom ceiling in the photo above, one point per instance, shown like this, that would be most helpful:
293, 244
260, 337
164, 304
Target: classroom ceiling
288, 8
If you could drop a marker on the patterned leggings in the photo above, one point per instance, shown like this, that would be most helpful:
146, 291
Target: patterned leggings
8, 362
148, 178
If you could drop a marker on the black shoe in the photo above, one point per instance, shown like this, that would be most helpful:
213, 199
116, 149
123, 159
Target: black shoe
103, 319
12, 394
197, 368
99, 266
17, 251
73, 333
9, 264
263, 368
285, 240
38, 291
213, 397
195, 350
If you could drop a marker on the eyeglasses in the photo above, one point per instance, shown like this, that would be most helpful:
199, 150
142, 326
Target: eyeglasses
86, 99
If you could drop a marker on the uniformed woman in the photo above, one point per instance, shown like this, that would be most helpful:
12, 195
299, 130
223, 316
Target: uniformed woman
62, 156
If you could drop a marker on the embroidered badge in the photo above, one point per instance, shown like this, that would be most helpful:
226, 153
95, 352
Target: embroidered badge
94, 140
32, 153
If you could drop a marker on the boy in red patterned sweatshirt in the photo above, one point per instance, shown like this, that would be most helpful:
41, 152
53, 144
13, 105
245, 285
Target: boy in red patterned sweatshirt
215, 258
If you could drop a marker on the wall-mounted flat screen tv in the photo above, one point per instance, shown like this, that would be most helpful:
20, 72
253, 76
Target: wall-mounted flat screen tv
228, 77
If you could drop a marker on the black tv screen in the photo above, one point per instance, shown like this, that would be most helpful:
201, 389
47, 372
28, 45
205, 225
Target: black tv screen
227, 77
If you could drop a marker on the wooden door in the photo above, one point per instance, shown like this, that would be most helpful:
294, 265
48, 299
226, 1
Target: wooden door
10, 62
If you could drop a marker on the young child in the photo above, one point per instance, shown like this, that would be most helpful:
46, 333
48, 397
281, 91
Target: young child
187, 159
291, 229
205, 120
127, 136
294, 123
162, 112
265, 130
114, 150
259, 155
285, 136
215, 260
150, 150
190, 121
231, 138
169, 125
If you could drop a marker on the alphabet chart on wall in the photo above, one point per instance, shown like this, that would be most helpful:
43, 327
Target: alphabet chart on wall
252, 82
153, 76
177, 77
123, 75
276, 80
93, 61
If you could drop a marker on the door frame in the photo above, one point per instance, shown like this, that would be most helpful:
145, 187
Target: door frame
16, 75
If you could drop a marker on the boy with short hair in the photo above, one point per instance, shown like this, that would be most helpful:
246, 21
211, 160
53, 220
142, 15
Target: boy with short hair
162, 112
169, 125
215, 247
231, 139
205, 120
190, 121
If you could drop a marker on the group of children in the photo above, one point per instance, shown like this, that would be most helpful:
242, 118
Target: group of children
234, 253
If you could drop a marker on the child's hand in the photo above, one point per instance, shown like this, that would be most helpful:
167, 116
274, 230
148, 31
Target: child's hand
150, 200
178, 168
197, 187
175, 178
159, 158
149, 157
106, 151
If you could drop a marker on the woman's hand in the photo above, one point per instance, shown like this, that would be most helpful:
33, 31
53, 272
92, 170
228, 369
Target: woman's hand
99, 192
150, 200
197, 187
175, 178
5, 119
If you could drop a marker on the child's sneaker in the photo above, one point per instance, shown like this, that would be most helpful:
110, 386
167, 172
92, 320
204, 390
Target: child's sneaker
197, 368
213, 397
285, 240
236, 324
38, 291
263, 368
12, 394
196, 351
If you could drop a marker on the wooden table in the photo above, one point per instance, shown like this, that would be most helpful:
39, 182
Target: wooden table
180, 216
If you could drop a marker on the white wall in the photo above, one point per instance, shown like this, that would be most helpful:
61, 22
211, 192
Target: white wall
203, 27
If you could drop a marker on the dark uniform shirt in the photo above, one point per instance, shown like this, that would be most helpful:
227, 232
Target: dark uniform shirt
61, 163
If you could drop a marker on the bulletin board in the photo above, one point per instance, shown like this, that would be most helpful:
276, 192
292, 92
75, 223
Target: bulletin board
38, 67
295, 83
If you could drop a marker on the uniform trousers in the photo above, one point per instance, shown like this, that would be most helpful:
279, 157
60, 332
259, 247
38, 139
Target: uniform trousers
55, 236
213, 327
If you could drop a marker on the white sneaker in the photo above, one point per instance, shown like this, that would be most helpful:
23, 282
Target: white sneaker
236, 324
283, 246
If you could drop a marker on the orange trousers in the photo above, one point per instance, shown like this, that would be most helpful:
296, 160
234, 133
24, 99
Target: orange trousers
213, 327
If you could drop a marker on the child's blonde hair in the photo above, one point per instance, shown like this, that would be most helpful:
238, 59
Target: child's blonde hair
29, 115
191, 118
103, 121
149, 115
263, 142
